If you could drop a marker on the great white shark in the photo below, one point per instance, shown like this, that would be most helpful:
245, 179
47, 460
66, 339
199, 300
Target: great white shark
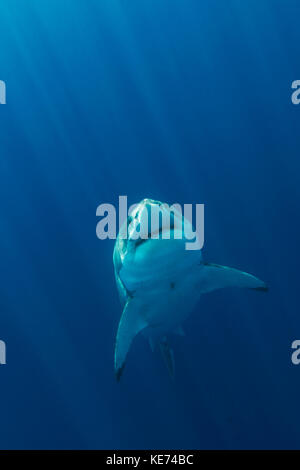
160, 282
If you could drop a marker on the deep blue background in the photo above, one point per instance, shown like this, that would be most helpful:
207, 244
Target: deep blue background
177, 100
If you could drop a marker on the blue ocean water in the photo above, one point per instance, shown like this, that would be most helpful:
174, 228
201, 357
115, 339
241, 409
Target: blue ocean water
180, 101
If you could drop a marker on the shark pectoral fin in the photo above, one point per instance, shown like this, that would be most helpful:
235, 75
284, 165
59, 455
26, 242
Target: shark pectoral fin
218, 277
168, 356
130, 325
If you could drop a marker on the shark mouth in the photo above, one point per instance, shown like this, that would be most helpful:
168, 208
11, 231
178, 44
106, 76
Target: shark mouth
152, 235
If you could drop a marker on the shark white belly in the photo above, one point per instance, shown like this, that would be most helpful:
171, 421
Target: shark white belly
160, 283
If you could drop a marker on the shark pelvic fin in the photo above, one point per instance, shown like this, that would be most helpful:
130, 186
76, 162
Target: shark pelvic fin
179, 331
217, 277
168, 356
130, 325
152, 343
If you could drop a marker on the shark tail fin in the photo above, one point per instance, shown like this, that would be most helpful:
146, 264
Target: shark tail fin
217, 277
168, 356
130, 325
